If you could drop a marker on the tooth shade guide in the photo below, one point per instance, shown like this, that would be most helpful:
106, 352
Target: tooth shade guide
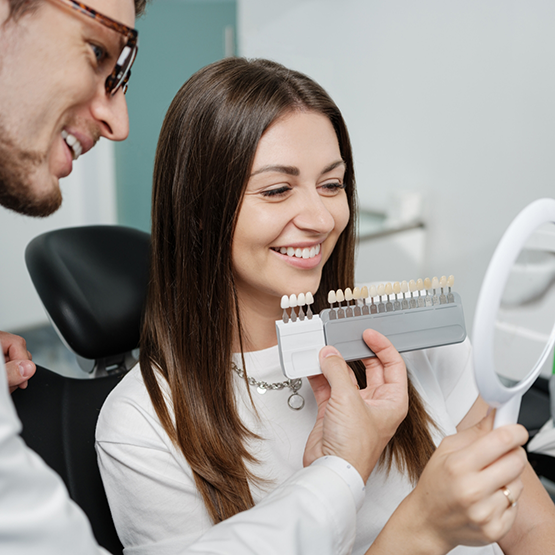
340, 298
309, 300
348, 299
381, 291
332, 299
373, 294
397, 291
450, 283
364, 297
388, 289
285, 305
435, 287
301, 302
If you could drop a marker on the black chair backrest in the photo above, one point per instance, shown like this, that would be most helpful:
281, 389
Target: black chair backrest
92, 281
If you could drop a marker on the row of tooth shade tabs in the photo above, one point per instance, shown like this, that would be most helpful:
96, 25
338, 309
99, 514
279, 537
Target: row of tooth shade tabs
391, 297
386, 297
293, 301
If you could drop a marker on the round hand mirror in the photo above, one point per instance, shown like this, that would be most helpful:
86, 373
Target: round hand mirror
514, 324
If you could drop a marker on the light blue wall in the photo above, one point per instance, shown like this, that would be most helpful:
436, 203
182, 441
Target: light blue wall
177, 37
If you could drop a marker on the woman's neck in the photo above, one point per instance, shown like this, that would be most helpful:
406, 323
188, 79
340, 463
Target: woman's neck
258, 319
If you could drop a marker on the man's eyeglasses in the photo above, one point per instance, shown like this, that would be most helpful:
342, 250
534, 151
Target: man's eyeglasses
120, 76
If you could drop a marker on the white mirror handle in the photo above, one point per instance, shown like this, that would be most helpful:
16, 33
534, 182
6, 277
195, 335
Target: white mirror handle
508, 412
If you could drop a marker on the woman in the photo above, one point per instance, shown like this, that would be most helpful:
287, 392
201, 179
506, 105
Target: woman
254, 198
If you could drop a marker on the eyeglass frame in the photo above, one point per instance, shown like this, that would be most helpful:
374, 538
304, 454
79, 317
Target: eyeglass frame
120, 74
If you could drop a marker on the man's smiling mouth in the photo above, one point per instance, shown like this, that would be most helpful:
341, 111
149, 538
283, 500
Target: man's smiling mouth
73, 143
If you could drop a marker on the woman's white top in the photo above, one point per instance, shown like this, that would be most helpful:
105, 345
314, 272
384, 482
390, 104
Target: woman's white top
150, 486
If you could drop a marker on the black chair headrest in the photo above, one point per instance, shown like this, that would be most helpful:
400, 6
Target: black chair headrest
92, 281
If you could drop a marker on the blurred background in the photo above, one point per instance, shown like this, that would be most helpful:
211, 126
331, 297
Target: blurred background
450, 106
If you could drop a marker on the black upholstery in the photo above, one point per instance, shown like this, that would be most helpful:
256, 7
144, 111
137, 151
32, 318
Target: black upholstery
59, 417
92, 281
535, 411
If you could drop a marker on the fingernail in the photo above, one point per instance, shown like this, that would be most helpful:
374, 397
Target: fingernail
329, 351
25, 368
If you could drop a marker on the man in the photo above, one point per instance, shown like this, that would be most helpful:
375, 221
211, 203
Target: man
54, 107
63, 70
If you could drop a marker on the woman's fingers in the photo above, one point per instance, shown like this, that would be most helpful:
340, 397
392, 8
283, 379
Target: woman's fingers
504, 470
479, 446
388, 365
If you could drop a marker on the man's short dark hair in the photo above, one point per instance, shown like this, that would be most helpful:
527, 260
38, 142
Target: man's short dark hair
20, 7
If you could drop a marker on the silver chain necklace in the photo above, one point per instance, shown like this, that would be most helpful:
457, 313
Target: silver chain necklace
295, 401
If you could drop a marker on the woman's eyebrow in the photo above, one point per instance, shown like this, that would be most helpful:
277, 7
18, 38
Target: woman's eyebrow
292, 170
289, 170
333, 166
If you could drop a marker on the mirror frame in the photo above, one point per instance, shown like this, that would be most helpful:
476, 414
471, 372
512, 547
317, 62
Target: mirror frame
491, 389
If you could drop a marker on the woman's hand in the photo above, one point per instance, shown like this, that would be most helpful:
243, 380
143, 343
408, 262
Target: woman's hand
357, 424
460, 499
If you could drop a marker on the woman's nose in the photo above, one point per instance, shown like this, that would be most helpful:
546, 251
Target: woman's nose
314, 214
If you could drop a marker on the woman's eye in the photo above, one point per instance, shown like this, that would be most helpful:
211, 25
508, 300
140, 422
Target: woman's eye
332, 187
279, 191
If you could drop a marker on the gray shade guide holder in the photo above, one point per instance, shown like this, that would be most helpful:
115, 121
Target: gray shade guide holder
408, 330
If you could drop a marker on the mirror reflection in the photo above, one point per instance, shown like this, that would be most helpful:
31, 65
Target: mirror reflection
526, 314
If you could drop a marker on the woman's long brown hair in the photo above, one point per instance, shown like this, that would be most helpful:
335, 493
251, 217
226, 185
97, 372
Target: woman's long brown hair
203, 162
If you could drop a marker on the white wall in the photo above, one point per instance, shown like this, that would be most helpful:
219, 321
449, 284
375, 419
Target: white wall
89, 198
454, 98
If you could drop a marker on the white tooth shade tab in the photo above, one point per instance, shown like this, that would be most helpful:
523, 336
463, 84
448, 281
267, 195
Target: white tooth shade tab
381, 289
413, 286
443, 281
292, 300
309, 298
284, 302
373, 291
339, 295
427, 284
450, 281
348, 294
435, 283
332, 298
301, 300
404, 287
420, 284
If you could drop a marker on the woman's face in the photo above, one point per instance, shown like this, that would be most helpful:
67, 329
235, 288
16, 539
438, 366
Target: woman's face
294, 209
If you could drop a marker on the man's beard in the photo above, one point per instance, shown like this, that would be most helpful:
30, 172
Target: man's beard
16, 173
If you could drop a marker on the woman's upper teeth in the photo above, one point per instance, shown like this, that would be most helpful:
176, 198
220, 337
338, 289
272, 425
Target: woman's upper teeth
73, 144
307, 252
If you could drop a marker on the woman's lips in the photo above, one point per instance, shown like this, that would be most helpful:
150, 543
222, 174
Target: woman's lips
304, 258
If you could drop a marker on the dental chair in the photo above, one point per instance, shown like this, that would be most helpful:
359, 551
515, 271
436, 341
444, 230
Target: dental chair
92, 281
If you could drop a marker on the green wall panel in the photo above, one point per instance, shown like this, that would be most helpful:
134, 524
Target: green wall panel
177, 37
